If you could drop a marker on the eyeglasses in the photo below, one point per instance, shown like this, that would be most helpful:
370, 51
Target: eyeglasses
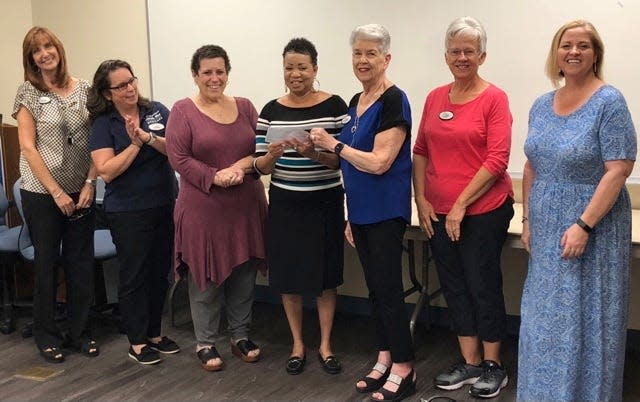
79, 214
465, 52
123, 87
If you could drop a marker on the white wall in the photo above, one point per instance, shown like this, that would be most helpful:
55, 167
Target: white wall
16, 20
254, 32
96, 30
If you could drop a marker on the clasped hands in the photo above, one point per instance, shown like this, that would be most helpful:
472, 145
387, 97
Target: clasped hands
228, 177
66, 204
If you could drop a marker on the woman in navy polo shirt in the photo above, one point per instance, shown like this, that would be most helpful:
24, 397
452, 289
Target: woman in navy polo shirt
128, 149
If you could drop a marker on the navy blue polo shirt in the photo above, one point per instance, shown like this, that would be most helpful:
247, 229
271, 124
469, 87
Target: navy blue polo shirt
150, 181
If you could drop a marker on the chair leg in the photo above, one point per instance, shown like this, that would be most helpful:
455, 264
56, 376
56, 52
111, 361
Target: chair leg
8, 323
27, 330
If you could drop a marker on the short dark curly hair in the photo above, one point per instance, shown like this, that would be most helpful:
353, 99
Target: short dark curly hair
209, 52
302, 46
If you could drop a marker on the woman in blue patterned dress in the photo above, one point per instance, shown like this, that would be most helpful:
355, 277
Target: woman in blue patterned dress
581, 147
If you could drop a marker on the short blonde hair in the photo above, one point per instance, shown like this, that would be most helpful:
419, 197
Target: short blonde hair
553, 71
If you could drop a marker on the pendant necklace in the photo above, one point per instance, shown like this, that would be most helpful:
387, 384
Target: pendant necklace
354, 128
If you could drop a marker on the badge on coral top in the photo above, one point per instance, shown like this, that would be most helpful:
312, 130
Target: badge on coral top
446, 115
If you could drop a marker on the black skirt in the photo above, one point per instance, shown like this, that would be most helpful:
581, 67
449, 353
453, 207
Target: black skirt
305, 240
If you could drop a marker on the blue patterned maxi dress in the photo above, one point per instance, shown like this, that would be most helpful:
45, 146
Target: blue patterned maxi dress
574, 311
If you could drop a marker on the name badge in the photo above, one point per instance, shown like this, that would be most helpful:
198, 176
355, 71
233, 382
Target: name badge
156, 126
44, 99
346, 119
446, 115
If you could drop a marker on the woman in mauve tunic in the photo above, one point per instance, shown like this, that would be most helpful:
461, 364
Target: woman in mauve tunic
220, 212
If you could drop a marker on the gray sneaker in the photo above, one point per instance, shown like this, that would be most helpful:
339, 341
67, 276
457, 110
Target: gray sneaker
492, 380
458, 375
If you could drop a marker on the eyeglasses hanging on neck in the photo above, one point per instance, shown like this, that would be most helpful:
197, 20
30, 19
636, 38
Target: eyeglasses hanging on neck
64, 126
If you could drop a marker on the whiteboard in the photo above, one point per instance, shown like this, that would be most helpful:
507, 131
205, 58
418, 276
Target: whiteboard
254, 32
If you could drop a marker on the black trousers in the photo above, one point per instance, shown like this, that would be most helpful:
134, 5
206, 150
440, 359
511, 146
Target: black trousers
379, 247
144, 242
470, 273
49, 228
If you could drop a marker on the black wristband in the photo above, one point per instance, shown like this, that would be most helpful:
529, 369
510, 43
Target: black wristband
338, 148
584, 226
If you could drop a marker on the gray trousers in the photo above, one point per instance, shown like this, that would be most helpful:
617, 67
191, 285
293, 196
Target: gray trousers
236, 293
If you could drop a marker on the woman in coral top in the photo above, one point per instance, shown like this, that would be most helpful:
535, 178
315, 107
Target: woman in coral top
464, 198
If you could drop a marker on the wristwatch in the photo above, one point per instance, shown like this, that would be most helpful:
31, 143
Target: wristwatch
338, 148
152, 138
91, 181
584, 226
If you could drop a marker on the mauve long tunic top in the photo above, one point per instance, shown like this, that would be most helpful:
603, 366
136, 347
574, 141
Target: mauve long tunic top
216, 229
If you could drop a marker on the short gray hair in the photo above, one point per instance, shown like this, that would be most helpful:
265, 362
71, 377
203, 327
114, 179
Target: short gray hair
372, 32
469, 27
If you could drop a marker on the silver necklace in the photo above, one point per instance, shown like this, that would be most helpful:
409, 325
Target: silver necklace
354, 128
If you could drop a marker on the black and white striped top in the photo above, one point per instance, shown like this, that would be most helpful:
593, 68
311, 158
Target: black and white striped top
293, 171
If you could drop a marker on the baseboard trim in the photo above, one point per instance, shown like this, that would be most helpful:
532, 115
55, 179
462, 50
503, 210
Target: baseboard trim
439, 315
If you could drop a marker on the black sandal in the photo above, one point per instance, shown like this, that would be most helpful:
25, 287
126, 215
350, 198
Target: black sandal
87, 347
242, 348
295, 364
373, 384
210, 353
52, 354
406, 388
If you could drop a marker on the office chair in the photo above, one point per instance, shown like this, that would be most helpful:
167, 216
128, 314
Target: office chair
9, 254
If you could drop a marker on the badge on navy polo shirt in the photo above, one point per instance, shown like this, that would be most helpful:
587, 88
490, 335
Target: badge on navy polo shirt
156, 126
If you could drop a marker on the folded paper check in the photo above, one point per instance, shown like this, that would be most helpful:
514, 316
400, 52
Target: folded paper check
285, 134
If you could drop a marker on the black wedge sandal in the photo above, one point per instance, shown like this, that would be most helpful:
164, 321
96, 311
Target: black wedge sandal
373, 384
406, 388
242, 348
210, 353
